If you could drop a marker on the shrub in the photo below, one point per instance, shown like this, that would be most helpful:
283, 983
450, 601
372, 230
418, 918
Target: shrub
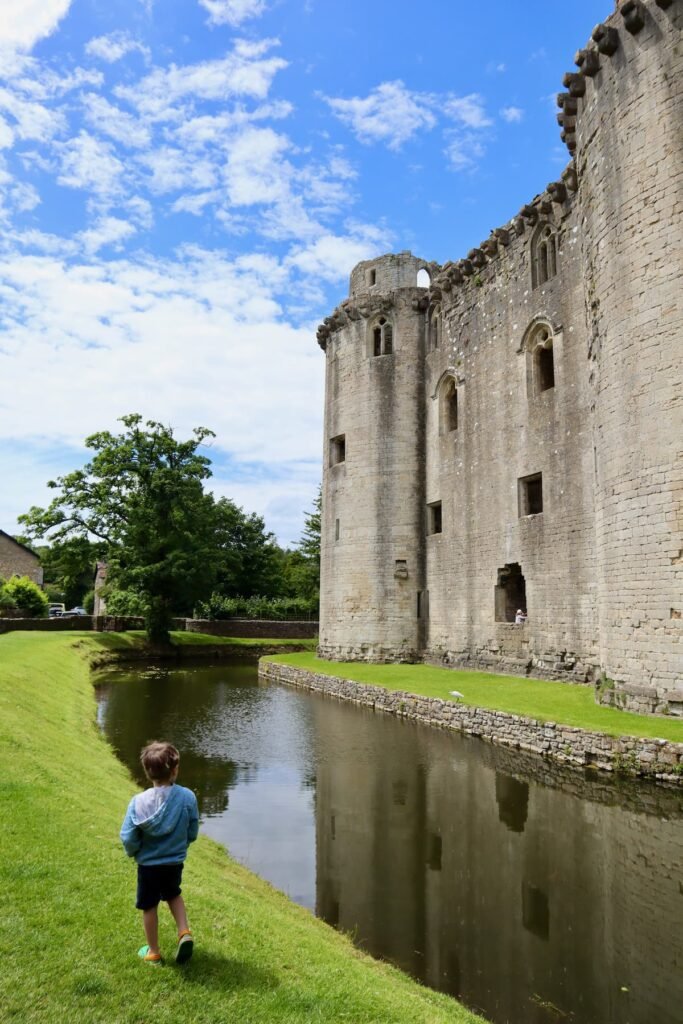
27, 596
274, 608
124, 602
6, 599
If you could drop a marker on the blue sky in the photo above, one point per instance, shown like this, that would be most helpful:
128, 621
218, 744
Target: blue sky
185, 186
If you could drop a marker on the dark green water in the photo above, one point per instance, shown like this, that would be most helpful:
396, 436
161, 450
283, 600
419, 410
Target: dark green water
536, 896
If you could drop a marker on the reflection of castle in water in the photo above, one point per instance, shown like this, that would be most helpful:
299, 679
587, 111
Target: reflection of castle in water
509, 894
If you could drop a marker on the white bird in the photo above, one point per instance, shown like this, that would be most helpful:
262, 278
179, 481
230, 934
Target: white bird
457, 693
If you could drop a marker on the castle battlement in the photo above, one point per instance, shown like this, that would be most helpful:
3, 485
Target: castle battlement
502, 433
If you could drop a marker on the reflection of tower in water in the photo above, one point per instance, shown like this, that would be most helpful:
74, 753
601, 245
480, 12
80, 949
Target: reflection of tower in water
489, 887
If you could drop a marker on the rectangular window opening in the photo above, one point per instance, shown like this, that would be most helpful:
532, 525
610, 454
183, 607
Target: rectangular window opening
530, 495
336, 529
372, 277
434, 518
338, 450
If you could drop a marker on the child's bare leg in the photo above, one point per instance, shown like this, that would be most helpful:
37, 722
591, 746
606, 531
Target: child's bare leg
177, 908
150, 922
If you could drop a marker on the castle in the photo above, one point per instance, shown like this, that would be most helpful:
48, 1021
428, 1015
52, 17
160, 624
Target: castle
504, 433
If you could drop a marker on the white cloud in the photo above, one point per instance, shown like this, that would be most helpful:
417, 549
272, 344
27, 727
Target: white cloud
114, 46
24, 22
391, 113
463, 149
467, 110
90, 164
233, 12
513, 115
108, 231
32, 120
244, 72
110, 120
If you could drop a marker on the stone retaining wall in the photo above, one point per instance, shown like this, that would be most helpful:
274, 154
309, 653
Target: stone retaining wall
239, 628
655, 758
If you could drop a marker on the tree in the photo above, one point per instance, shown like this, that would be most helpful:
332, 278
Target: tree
249, 560
302, 566
69, 567
142, 497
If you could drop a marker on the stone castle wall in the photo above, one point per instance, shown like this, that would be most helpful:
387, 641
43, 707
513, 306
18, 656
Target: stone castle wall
545, 367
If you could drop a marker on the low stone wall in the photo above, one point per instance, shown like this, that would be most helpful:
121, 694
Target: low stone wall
655, 758
239, 628
643, 699
270, 629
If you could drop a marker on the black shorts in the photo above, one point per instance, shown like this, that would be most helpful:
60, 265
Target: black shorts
157, 882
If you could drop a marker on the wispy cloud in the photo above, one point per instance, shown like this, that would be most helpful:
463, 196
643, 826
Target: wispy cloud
513, 115
391, 113
114, 46
233, 12
246, 71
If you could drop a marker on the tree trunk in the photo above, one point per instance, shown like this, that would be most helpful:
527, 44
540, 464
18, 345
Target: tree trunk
158, 622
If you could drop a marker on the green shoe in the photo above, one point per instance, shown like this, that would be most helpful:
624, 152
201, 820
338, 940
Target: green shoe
149, 958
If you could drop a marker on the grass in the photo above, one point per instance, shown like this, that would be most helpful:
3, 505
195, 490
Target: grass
70, 932
136, 640
546, 701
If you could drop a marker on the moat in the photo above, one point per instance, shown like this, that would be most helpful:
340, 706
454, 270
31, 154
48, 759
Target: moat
532, 895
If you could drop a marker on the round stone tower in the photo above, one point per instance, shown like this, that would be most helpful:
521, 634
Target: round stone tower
373, 478
629, 158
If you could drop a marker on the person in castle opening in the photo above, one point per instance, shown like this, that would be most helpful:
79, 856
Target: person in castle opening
159, 826
520, 616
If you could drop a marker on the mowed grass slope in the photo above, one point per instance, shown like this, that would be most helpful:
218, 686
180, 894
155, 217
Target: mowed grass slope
70, 932
544, 700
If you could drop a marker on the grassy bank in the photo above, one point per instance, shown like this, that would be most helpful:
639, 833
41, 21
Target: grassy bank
536, 698
70, 931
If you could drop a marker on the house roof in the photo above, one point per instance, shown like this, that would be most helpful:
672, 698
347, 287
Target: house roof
20, 545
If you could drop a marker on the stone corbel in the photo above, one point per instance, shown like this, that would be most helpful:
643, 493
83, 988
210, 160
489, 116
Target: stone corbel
664, 4
568, 103
570, 178
546, 207
606, 39
588, 61
477, 258
490, 247
503, 235
557, 191
519, 225
634, 16
575, 82
466, 268
529, 213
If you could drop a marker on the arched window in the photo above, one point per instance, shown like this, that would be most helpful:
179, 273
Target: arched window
434, 328
543, 254
423, 278
540, 359
382, 338
448, 406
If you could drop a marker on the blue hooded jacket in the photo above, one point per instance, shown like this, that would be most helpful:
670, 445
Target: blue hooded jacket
160, 824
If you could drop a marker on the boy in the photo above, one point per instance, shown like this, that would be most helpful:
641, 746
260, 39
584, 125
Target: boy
159, 825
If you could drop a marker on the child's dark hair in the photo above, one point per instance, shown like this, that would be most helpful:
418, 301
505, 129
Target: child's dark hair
159, 760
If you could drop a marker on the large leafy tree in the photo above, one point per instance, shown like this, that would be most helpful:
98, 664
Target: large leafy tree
142, 496
248, 559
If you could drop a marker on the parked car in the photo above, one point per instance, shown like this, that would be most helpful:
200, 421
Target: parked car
56, 610
76, 611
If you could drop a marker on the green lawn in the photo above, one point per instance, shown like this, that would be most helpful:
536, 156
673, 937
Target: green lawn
136, 639
70, 932
536, 698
